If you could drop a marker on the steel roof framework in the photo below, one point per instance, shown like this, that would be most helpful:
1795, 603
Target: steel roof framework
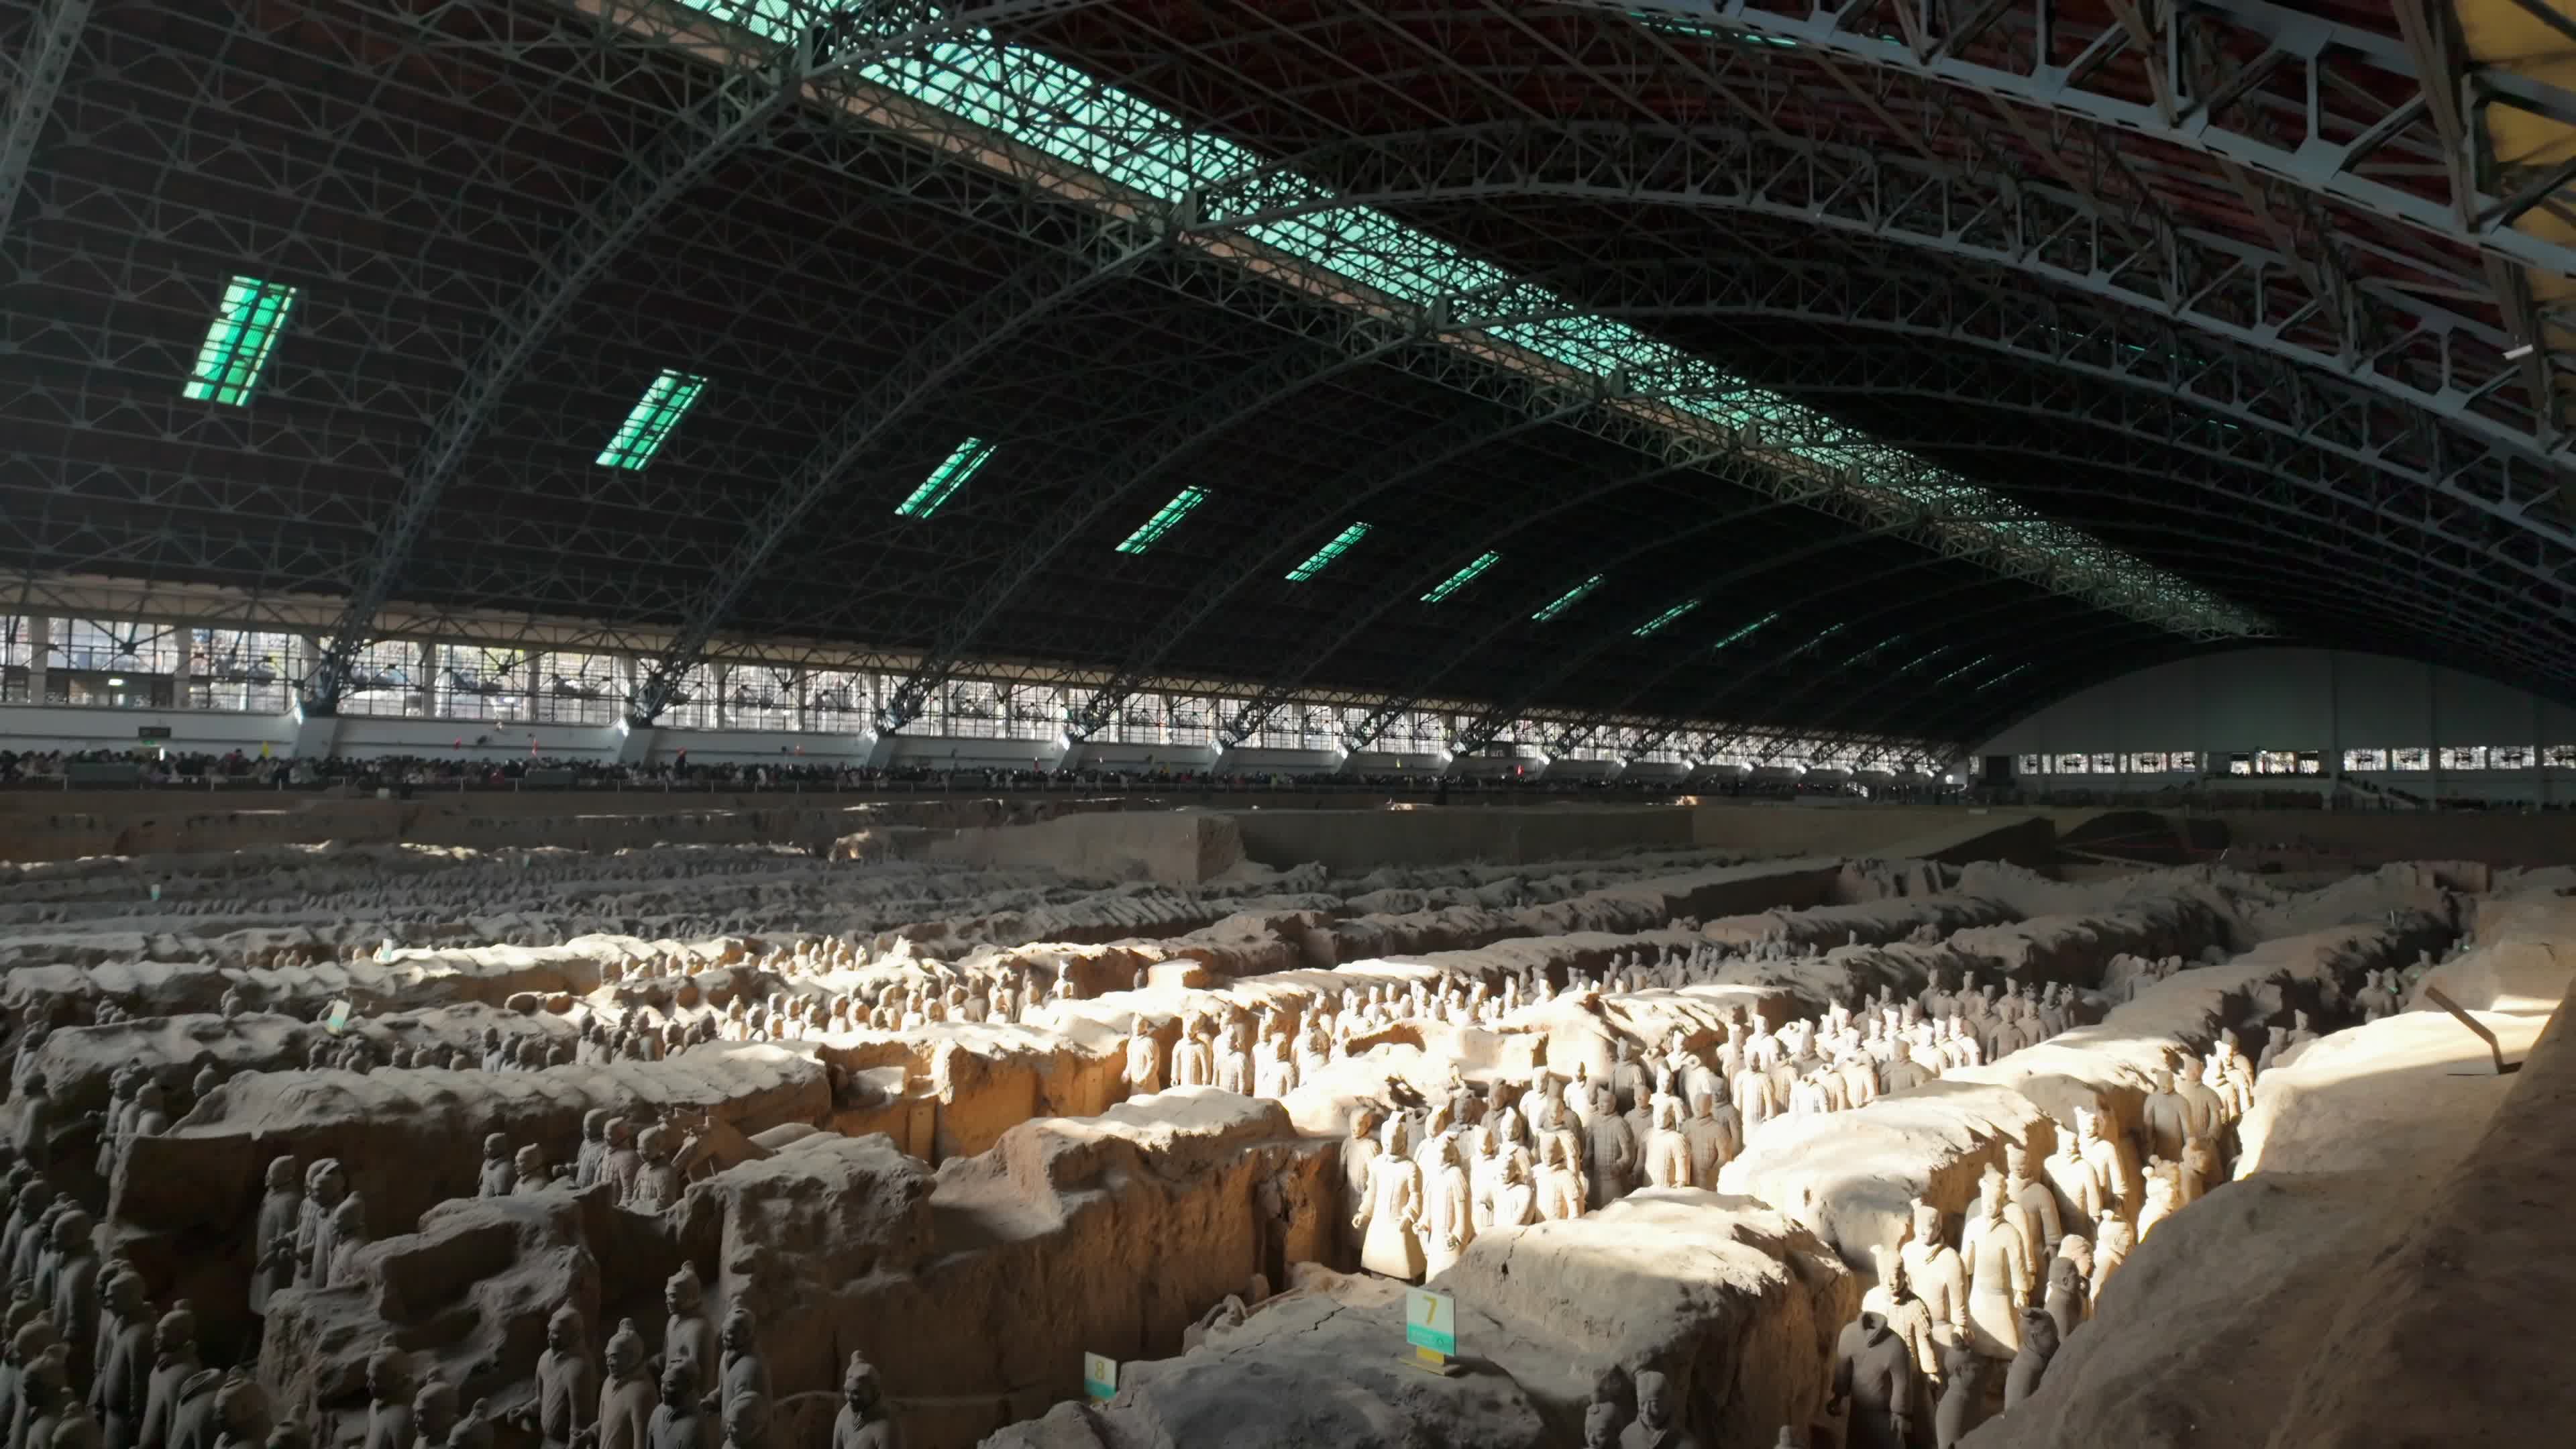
2326, 383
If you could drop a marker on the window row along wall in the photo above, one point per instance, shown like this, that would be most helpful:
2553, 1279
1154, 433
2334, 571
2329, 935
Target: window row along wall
2418, 759
2380, 722
104, 680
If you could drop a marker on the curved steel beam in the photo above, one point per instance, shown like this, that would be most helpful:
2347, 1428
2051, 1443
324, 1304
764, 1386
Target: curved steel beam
1239, 399
2336, 423
1398, 586
998, 316
46, 58
729, 117
1324, 510
1964, 48
1489, 722
1352, 338
2305, 582
2242, 294
2339, 594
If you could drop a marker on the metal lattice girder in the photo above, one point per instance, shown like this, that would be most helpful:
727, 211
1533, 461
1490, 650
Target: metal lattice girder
2443, 362
994, 320
1892, 485
2271, 471
1550, 498
1056, 128
2346, 574
1319, 514
733, 114
35, 75
2305, 66
1694, 656
1557, 666
2339, 422
1352, 340
2348, 591
1331, 505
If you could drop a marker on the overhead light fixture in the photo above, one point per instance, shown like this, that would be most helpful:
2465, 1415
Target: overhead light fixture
114, 680
2519, 351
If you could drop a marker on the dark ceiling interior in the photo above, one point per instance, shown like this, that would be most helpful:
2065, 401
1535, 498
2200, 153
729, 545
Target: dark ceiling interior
2282, 400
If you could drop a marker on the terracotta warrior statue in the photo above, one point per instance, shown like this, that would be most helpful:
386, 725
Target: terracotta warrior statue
1655, 1427
76, 1302
388, 1400
1609, 1155
2070, 1285
498, 1176
120, 1393
743, 1372
1963, 1389
1390, 1213
1447, 1223
1933, 1267
1874, 1375
433, 1413
863, 1422
626, 1395
1144, 1060
1667, 1155
657, 1182
567, 1389
1999, 1274
1358, 1151
273, 1237
2030, 1361
688, 1337
1560, 1186
675, 1419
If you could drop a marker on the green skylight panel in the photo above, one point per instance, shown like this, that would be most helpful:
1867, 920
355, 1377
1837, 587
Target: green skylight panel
648, 425
1322, 558
1655, 625
1830, 631
1568, 599
1163, 520
1463, 577
235, 352
969, 458
1043, 103
1744, 633
2000, 678
1962, 669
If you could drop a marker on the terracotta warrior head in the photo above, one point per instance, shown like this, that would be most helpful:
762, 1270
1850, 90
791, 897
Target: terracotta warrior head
682, 1292
1654, 1404
625, 1351
859, 1386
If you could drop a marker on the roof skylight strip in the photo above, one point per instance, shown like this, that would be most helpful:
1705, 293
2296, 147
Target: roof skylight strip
648, 425
1152, 529
1962, 669
1463, 577
2000, 678
1322, 558
244, 332
1744, 633
964, 462
1651, 627
1043, 103
1568, 599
